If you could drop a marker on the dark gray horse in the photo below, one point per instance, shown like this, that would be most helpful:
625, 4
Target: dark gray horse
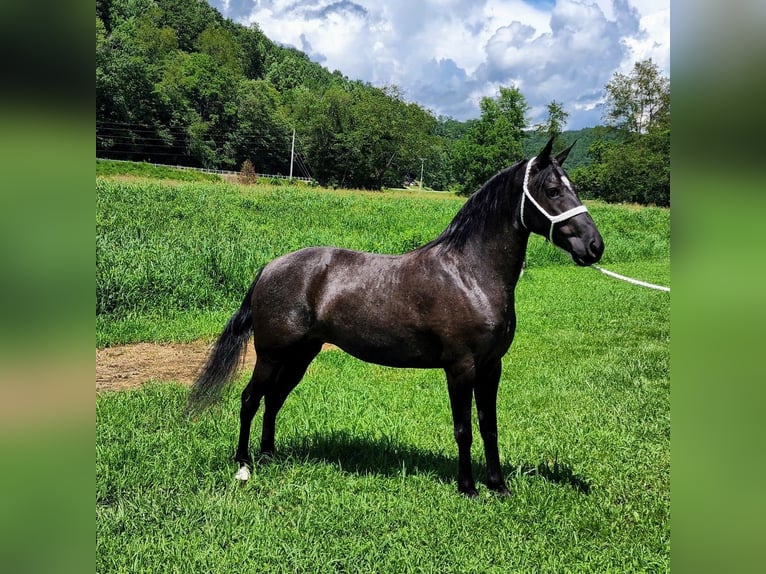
446, 305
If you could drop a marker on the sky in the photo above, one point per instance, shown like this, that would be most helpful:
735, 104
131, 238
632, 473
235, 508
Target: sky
447, 54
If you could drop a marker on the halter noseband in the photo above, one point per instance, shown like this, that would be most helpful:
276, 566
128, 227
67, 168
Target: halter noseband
554, 219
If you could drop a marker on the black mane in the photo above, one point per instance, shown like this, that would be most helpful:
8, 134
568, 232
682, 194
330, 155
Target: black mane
479, 213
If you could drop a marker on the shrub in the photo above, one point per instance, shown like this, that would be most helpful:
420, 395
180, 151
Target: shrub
247, 173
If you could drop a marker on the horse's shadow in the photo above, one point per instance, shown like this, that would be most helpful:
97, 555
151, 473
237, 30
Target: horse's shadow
383, 457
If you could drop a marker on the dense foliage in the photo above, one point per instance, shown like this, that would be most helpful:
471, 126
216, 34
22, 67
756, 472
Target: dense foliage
492, 143
177, 83
635, 166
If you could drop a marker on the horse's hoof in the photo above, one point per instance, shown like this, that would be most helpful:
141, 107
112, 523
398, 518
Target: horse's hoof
469, 492
500, 490
243, 474
265, 457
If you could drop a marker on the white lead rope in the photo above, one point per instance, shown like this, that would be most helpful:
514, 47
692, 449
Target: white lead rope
631, 280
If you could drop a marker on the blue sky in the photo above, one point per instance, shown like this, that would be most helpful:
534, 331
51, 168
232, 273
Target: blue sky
447, 54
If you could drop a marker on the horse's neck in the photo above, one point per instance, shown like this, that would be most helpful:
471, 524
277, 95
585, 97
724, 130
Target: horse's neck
496, 247
500, 255
507, 243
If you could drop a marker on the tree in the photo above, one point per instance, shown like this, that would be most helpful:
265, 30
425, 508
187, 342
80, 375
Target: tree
255, 47
290, 68
247, 173
129, 62
492, 143
261, 132
634, 102
220, 44
356, 135
178, 83
201, 99
188, 18
635, 166
557, 119
620, 172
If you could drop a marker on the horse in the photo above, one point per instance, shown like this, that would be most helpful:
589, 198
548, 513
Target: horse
446, 305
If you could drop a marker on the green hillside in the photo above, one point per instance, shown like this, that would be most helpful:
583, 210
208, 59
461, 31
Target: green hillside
179, 84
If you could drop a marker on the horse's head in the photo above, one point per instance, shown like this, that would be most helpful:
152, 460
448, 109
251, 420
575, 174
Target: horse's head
550, 207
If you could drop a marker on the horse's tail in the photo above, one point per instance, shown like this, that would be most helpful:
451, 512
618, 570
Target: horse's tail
227, 354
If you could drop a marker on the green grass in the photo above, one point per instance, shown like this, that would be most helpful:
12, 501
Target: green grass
364, 476
173, 261
185, 251
106, 168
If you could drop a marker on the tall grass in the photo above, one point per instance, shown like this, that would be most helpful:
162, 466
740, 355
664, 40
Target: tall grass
168, 250
176, 258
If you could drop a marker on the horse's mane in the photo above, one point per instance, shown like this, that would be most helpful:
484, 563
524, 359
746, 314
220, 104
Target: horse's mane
479, 213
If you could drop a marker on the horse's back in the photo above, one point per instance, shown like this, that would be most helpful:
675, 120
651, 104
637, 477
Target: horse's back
319, 291
405, 310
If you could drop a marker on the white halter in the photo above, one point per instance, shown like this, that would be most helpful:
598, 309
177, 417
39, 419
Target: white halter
554, 219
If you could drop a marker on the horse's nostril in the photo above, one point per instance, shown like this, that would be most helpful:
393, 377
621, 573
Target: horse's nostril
596, 247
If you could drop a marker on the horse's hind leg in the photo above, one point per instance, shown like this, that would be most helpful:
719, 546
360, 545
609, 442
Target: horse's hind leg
291, 373
263, 373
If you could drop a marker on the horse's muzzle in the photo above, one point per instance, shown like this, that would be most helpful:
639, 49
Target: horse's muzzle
590, 253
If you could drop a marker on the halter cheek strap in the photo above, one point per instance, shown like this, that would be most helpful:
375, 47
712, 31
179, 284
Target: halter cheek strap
554, 219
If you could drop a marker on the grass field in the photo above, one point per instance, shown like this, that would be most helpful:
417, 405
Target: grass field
364, 476
174, 260
107, 167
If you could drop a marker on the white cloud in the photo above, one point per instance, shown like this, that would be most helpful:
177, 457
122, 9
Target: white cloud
447, 54
656, 43
579, 53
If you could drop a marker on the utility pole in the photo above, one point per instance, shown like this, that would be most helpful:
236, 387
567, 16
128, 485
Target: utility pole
422, 162
292, 155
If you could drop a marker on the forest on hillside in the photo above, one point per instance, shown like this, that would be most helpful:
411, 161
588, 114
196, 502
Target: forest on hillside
179, 84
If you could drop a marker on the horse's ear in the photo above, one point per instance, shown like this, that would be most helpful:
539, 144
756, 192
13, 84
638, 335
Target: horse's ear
544, 156
563, 155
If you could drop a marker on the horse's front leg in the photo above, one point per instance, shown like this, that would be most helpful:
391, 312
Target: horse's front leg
485, 391
460, 380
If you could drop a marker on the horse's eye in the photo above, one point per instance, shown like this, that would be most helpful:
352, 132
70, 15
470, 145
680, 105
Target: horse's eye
552, 192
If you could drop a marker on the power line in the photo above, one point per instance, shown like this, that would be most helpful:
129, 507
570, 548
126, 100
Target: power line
305, 162
304, 170
129, 135
121, 138
182, 129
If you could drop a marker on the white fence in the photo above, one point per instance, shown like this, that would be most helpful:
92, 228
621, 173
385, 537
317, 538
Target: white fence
208, 170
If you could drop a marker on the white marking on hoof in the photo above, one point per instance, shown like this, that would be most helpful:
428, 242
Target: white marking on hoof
243, 474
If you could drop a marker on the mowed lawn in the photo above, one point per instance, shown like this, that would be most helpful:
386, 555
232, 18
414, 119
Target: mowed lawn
364, 478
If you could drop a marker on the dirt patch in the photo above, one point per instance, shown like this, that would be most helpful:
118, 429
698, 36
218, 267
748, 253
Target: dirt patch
130, 366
